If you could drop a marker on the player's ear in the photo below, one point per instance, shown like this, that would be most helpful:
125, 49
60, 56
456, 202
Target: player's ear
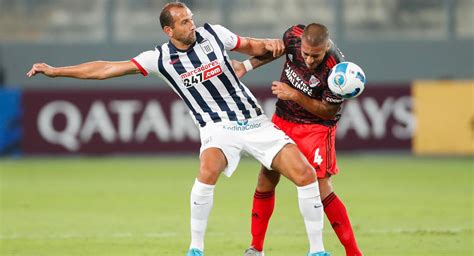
168, 31
328, 45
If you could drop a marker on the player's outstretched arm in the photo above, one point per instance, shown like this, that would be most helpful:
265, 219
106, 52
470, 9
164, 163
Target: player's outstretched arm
320, 108
259, 47
98, 70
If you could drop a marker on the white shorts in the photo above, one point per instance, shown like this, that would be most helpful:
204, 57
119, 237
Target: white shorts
258, 137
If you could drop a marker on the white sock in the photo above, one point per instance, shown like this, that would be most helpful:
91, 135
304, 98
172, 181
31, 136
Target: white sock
202, 196
311, 209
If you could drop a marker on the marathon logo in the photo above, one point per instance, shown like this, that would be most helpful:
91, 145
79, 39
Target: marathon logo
296, 81
201, 74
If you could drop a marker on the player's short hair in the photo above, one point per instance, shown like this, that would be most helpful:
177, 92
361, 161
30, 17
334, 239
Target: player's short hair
315, 34
165, 16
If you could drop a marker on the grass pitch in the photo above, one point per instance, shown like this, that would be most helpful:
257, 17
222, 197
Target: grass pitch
399, 205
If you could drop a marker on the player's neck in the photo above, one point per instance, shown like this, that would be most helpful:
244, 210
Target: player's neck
179, 45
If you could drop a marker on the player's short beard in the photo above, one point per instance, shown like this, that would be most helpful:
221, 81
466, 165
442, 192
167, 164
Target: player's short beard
190, 39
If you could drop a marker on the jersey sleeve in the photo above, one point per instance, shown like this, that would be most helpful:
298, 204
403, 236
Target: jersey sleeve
331, 98
230, 40
335, 57
147, 62
291, 39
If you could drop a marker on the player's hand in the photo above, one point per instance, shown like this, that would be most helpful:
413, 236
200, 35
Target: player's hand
275, 46
41, 68
284, 91
239, 68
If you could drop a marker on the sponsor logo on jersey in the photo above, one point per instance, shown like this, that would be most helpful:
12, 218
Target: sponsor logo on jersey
333, 100
313, 82
296, 81
201, 74
242, 125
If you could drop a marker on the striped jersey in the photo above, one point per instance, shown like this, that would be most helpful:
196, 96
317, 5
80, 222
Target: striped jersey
203, 76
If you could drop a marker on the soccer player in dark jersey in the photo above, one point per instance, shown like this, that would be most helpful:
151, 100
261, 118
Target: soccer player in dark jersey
307, 111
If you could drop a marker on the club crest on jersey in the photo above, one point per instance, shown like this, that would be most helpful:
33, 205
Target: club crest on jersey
201, 74
313, 82
206, 47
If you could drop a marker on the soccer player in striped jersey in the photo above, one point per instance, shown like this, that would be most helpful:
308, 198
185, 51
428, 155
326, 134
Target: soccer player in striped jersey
307, 111
195, 64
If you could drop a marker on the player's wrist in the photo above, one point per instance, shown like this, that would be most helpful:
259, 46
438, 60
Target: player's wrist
53, 72
247, 65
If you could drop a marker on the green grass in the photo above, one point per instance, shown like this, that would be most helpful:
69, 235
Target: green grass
399, 205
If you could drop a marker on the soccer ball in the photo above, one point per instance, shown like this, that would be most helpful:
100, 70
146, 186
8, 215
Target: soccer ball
346, 80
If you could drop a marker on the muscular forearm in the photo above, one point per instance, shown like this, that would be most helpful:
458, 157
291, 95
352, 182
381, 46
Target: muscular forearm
259, 47
254, 47
317, 107
90, 70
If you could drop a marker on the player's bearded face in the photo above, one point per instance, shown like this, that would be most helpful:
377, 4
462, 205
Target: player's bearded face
313, 55
184, 29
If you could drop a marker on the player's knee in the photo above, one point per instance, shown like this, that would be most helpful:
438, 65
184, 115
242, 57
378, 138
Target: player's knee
265, 185
305, 176
267, 180
209, 173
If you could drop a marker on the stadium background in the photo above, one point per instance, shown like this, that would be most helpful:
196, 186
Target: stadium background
92, 163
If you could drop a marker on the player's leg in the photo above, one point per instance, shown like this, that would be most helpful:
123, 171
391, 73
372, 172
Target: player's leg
262, 209
333, 207
291, 163
338, 217
276, 151
212, 163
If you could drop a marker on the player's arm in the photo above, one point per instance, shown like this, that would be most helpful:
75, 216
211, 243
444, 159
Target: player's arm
241, 68
98, 70
260, 47
320, 108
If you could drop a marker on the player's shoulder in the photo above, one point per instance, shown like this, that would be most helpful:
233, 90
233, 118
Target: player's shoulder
334, 55
292, 35
211, 27
294, 31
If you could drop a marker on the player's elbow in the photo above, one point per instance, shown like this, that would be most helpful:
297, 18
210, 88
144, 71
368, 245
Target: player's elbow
330, 115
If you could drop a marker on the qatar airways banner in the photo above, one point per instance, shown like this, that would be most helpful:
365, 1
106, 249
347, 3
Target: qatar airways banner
157, 121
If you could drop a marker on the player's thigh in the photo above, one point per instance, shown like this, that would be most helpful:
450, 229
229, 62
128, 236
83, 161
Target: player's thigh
212, 163
317, 143
291, 163
222, 149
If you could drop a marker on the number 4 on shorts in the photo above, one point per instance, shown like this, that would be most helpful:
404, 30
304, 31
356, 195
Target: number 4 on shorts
317, 157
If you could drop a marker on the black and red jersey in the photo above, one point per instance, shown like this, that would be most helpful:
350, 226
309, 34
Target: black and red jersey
311, 82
